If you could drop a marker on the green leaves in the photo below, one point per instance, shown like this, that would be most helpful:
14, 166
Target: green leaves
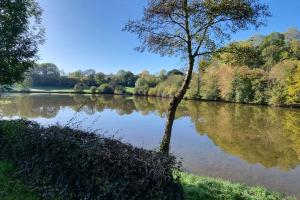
69, 164
21, 34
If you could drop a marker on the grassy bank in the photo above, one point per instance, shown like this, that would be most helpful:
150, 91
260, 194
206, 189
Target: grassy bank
128, 91
10, 187
198, 188
195, 188
51, 90
63, 163
59, 90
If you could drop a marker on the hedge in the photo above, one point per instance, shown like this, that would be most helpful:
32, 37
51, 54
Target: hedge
62, 163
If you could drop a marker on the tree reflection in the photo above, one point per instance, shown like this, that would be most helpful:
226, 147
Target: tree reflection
256, 134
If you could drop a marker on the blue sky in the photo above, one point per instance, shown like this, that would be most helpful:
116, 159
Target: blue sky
84, 34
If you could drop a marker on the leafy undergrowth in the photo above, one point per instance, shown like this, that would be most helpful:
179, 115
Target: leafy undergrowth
10, 187
63, 163
198, 188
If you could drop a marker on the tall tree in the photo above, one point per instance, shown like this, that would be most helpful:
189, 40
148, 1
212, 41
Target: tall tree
20, 35
46, 70
192, 29
126, 78
100, 78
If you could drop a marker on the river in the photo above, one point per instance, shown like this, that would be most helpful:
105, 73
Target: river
255, 145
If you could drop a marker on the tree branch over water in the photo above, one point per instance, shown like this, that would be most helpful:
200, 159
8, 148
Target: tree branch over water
192, 29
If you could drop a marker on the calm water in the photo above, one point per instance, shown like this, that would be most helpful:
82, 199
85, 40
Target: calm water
249, 144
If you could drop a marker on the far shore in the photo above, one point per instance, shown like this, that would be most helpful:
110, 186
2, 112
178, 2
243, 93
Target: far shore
129, 92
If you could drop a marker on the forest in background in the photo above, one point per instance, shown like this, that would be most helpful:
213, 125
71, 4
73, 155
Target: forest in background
262, 70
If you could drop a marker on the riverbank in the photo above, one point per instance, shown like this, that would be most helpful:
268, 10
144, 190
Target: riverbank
130, 91
195, 187
58, 90
68, 150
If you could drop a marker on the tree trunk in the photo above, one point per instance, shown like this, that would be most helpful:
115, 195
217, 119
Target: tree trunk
198, 85
165, 143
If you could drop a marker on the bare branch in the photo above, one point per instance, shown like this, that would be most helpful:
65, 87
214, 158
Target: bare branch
177, 23
217, 51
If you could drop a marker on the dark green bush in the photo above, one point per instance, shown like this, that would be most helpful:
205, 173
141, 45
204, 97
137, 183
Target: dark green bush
244, 92
70, 164
105, 89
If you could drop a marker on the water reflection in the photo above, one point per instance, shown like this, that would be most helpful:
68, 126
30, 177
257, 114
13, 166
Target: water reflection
252, 144
265, 135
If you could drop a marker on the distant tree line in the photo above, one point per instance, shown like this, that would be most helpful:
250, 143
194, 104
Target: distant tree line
263, 70
49, 75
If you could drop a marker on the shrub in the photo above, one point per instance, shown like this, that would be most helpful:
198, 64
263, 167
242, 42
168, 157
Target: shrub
170, 91
105, 89
260, 88
249, 86
194, 90
79, 87
141, 87
63, 163
167, 88
293, 86
244, 92
141, 90
278, 94
93, 89
119, 90
210, 84
284, 78
153, 92
213, 93
211, 89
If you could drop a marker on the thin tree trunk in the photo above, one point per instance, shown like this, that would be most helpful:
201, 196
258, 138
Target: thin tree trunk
165, 143
198, 85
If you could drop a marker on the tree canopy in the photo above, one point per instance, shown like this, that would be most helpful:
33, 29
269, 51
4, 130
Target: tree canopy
21, 33
192, 29
172, 26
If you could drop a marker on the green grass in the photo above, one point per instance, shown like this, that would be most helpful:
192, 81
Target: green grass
46, 90
197, 188
52, 89
10, 187
129, 90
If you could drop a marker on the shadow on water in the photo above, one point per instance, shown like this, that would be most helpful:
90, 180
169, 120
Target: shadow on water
255, 135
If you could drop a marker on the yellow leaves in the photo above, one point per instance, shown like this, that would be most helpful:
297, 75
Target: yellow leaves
226, 75
293, 86
282, 70
295, 47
